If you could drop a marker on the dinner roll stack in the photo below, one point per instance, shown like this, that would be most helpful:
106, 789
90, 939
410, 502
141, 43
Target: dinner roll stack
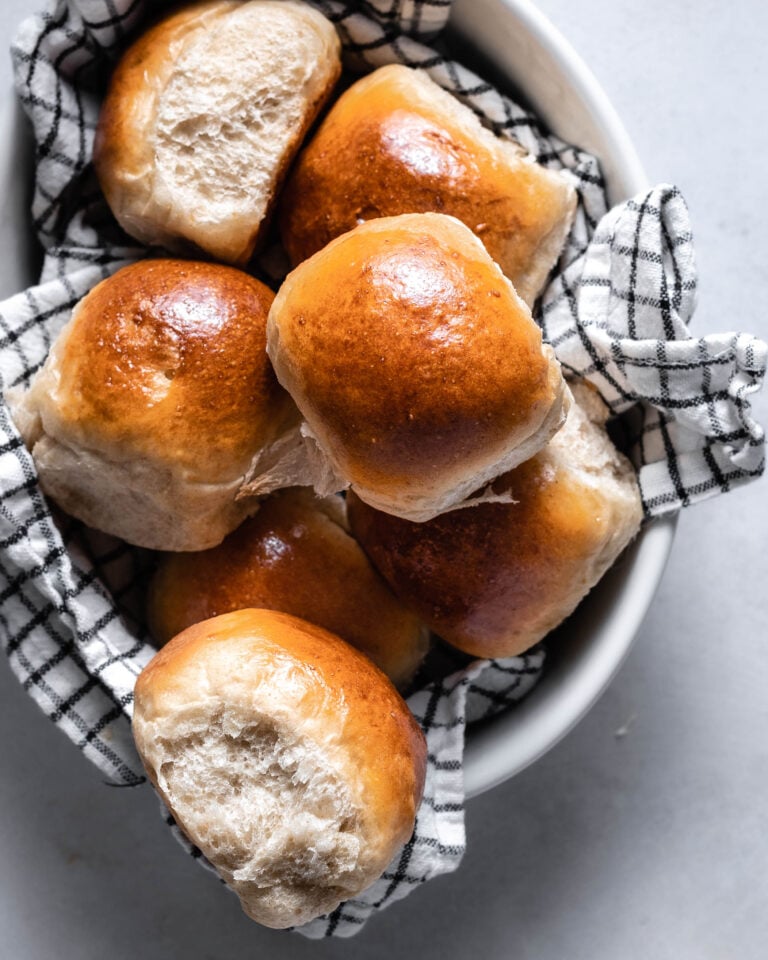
396, 142
285, 755
203, 117
495, 579
419, 371
157, 402
294, 555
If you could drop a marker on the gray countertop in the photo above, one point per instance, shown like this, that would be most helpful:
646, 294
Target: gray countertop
643, 833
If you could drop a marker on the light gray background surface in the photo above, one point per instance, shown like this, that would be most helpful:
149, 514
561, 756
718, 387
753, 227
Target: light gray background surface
644, 834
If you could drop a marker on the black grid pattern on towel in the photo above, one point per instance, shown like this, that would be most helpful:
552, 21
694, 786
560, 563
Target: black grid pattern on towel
71, 598
618, 315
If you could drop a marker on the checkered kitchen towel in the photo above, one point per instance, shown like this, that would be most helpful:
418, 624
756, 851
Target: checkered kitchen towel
616, 312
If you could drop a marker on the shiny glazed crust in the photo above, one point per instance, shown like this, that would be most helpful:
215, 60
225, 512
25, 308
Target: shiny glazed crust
224, 92
419, 371
296, 556
306, 687
494, 579
397, 143
154, 402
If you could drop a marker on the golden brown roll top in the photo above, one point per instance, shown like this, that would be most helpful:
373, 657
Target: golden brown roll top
494, 579
418, 370
155, 402
168, 357
285, 755
293, 555
203, 116
395, 143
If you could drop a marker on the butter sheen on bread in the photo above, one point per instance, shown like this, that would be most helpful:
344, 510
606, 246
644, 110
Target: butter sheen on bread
495, 579
395, 142
157, 402
295, 555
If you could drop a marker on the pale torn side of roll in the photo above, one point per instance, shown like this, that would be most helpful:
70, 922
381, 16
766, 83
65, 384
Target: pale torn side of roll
295, 555
285, 755
203, 116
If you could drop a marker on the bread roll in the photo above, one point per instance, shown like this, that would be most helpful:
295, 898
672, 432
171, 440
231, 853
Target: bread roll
494, 579
418, 370
156, 402
294, 555
285, 755
204, 114
396, 142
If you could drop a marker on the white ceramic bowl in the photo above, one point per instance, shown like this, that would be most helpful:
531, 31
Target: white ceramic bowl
522, 45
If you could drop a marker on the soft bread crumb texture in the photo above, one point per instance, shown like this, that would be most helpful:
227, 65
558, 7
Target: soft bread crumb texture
295, 555
495, 579
285, 755
276, 817
203, 117
420, 373
395, 142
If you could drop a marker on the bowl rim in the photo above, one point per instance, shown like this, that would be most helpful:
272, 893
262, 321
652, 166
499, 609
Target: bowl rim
504, 747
